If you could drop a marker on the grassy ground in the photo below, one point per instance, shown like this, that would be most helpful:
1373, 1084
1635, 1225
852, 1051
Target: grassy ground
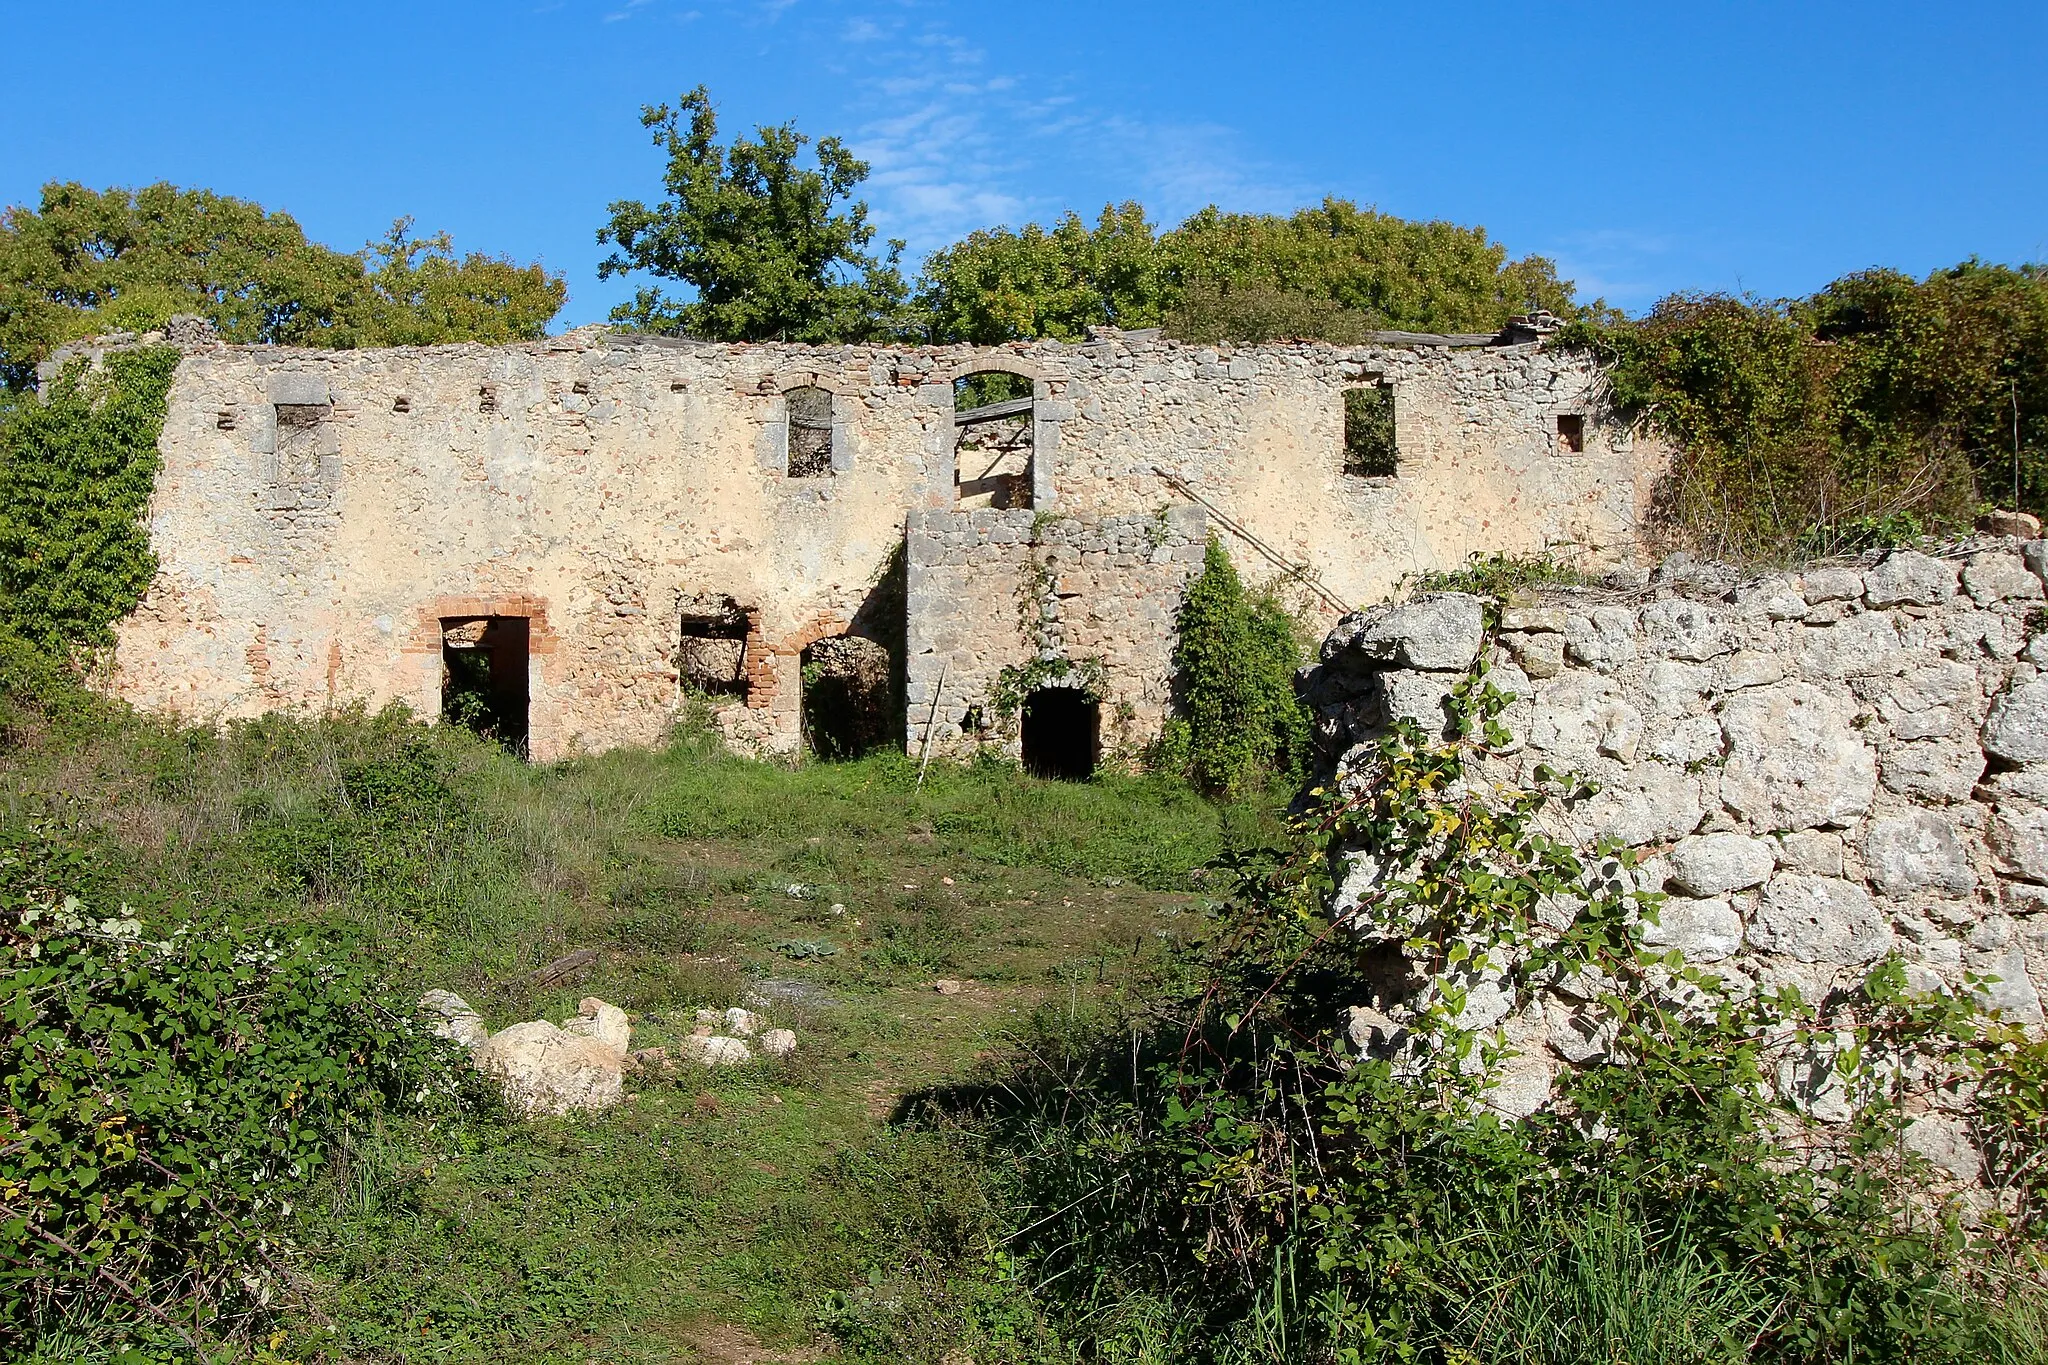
752, 1214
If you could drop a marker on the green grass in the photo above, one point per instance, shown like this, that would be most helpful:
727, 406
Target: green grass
772, 1201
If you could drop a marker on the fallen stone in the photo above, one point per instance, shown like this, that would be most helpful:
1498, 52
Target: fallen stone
1713, 864
2019, 525
742, 1023
451, 1017
1907, 577
778, 1042
1905, 854
605, 1023
544, 1071
946, 987
1819, 919
717, 1051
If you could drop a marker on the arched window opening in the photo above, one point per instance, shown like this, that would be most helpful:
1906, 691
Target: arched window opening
1062, 733
847, 695
483, 676
810, 432
992, 453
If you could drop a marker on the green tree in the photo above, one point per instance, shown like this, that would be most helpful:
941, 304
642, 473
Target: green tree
998, 285
759, 240
1382, 272
89, 261
1878, 407
1234, 664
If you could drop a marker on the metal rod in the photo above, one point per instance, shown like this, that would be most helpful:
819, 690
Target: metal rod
1299, 572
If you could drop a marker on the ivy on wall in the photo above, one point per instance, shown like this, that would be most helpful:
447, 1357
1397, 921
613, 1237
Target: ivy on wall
76, 473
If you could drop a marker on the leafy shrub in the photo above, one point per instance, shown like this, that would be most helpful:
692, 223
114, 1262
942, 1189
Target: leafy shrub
1238, 1156
920, 932
164, 1098
76, 473
1829, 417
1239, 721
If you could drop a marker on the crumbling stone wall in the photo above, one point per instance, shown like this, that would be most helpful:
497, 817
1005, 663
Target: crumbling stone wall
318, 511
994, 590
1818, 769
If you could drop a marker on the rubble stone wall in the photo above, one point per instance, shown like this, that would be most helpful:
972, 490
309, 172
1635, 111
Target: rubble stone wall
1818, 769
320, 512
996, 590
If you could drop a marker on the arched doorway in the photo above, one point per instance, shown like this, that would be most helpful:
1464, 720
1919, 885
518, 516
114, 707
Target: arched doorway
1062, 732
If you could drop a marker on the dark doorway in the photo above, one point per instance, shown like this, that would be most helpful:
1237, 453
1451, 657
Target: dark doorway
847, 696
483, 677
1062, 732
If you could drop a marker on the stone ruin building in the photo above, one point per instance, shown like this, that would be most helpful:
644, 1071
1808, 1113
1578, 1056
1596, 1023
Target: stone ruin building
940, 547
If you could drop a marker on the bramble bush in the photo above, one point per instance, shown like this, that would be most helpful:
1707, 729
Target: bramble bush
164, 1096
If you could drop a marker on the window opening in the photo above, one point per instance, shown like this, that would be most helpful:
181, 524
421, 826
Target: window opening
1370, 448
483, 677
810, 432
1062, 733
992, 454
847, 695
712, 657
1571, 433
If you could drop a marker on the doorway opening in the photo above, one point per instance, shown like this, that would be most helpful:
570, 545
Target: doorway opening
1062, 733
484, 677
711, 655
993, 414
848, 690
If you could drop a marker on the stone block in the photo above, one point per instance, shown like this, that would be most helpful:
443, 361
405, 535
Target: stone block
1907, 577
2018, 833
1832, 585
1864, 644
1713, 864
2000, 576
1812, 850
1439, 633
1705, 930
1794, 760
2016, 729
1933, 770
1683, 629
1917, 852
297, 390
1819, 920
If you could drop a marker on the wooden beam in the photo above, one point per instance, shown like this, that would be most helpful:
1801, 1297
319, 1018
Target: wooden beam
993, 412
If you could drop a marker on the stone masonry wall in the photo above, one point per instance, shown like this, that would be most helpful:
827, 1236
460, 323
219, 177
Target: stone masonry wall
991, 590
320, 512
1818, 769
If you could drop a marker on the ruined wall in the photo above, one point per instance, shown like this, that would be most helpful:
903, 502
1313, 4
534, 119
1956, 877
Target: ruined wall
320, 513
1818, 769
996, 590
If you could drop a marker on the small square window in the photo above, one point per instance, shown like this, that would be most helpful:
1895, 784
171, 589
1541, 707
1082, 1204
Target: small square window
1371, 450
1571, 433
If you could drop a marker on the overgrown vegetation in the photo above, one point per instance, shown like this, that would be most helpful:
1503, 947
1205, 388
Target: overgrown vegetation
1879, 407
76, 473
86, 262
1334, 273
1235, 1179
1237, 722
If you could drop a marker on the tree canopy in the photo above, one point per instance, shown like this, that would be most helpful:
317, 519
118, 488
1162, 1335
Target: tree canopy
763, 244
89, 261
1332, 273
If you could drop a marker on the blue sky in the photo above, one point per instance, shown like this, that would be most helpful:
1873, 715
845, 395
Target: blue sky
1647, 147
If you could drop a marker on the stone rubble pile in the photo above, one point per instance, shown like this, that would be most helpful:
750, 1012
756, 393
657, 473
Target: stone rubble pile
579, 1066
1817, 769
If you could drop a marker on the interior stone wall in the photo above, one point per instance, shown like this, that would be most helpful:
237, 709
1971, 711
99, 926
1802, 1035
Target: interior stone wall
1817, 769
597, 481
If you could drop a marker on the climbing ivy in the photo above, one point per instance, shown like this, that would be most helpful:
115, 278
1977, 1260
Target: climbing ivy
1238, 719
76, 472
